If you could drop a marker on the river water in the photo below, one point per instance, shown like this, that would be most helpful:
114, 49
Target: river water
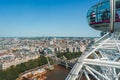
59, 73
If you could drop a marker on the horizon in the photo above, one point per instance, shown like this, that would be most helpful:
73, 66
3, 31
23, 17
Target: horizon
51, 37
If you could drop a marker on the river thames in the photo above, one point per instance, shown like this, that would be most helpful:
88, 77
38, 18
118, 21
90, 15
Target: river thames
59, 73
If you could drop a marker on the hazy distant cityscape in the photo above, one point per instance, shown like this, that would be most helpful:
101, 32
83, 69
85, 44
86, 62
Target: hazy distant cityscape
15, 51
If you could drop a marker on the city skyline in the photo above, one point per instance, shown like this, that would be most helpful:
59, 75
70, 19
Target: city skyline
36, 18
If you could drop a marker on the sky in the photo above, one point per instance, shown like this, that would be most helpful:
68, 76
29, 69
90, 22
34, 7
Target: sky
37, 18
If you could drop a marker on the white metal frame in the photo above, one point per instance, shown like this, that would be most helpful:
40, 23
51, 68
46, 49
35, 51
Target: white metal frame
102, 61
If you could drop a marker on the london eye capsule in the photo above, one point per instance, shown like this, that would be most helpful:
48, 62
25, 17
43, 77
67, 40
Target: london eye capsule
99, 16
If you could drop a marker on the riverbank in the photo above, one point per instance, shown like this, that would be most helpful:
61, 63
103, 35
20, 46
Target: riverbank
50, 74
43, 73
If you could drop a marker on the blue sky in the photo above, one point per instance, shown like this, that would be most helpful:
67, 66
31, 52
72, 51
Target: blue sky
31, 18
